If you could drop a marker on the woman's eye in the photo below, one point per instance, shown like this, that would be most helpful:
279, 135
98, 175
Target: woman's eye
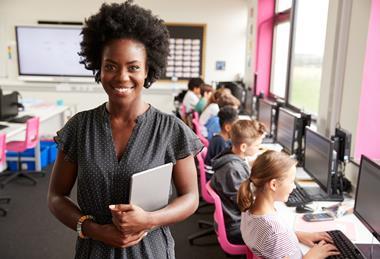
109, 67
134, 68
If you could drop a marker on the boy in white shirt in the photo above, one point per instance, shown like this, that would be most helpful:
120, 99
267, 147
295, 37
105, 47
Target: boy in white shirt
192, 96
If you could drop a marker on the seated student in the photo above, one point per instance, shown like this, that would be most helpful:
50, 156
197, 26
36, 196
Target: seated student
212, 107
192, 95
206, 92
230, 169
272, 179
212, 126
227, 116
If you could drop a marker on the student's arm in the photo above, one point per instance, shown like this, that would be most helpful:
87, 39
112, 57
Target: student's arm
131, 218
65, 210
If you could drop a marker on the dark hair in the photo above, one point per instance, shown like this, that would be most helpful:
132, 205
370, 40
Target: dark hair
121, 21
194, 83
206, 88
227, 114
269, 165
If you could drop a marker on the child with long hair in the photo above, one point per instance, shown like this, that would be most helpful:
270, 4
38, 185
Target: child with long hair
272, 179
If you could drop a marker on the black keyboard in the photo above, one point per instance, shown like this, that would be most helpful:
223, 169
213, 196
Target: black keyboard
21, 119
346, 248
3, 126
298, 197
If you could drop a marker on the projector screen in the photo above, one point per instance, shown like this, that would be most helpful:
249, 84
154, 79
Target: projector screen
49, 51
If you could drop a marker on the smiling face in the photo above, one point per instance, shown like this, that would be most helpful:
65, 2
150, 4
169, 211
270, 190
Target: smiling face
123, 70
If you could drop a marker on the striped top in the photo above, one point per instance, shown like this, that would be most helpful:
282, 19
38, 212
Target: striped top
268, 236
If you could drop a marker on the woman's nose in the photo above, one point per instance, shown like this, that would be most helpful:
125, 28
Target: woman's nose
123, 75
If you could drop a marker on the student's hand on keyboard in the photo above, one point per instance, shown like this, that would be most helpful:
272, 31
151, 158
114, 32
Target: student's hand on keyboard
321, 250
311, 238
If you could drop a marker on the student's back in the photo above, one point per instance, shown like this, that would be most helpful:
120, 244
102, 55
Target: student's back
229, 171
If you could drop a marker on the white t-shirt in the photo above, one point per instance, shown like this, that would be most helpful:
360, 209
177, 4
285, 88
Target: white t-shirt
211, 110
190, 100
269, 237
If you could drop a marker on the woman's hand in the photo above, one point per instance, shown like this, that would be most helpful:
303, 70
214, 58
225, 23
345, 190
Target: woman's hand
321, 250
130, 219
111, 236
310, 238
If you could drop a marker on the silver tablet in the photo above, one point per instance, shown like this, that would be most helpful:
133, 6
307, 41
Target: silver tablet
150, 189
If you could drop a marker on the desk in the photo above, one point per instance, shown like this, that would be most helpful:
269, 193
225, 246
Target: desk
288, 214
52, 118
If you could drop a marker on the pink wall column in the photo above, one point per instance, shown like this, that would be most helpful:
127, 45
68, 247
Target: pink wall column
368, 128
265, 15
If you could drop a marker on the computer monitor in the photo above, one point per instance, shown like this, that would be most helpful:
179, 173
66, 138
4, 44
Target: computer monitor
265, 114
318, 158
367, 193
9, 106
286, 129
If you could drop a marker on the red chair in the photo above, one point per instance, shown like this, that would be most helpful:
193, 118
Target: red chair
3, 200
207, 201
227, 247
31, 141
197, 130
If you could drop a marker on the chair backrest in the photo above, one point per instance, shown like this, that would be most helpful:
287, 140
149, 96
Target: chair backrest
2, 149
196, 116
221, 229
203, 180
32, 132
182, 112
197, 130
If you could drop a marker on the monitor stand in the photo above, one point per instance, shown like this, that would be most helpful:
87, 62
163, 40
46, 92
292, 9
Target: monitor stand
365, 249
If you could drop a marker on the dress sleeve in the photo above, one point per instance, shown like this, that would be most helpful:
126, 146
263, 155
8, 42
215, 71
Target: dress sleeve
183, 142
66, 139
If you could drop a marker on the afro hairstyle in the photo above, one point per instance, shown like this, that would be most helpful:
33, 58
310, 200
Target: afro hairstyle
121, 21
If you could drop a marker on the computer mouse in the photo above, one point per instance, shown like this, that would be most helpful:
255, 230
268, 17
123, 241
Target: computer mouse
303, 209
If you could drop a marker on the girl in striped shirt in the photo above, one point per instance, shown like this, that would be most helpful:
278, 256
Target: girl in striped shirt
272, 179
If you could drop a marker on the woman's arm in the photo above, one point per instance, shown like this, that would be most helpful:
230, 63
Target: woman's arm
65, 210
133, 219
61, 183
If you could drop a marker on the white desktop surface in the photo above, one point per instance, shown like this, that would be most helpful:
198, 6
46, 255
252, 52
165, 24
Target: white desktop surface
46, 112
362, 235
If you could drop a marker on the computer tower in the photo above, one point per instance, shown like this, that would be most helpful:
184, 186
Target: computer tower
344, 148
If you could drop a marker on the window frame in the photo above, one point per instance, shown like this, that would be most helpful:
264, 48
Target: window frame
279, 18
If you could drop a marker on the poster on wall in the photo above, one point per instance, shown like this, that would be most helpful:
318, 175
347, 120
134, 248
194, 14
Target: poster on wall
186, 59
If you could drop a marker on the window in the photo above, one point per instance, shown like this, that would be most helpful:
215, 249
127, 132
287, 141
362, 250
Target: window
280, 59
307, 54
282, 5
280, 48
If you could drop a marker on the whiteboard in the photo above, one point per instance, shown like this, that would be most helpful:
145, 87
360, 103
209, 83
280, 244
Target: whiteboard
49, 51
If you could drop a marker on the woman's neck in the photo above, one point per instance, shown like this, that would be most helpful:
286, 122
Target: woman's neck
264, 204
127, 111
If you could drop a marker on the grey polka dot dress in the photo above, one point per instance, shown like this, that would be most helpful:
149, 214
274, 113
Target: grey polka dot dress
86, 139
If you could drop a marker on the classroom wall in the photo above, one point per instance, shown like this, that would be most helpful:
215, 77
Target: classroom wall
354, 67
225, 38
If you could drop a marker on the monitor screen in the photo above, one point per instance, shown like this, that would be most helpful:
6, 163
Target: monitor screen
265, 114
9, 107
367, 193
318, 151
49, 51
286, 129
